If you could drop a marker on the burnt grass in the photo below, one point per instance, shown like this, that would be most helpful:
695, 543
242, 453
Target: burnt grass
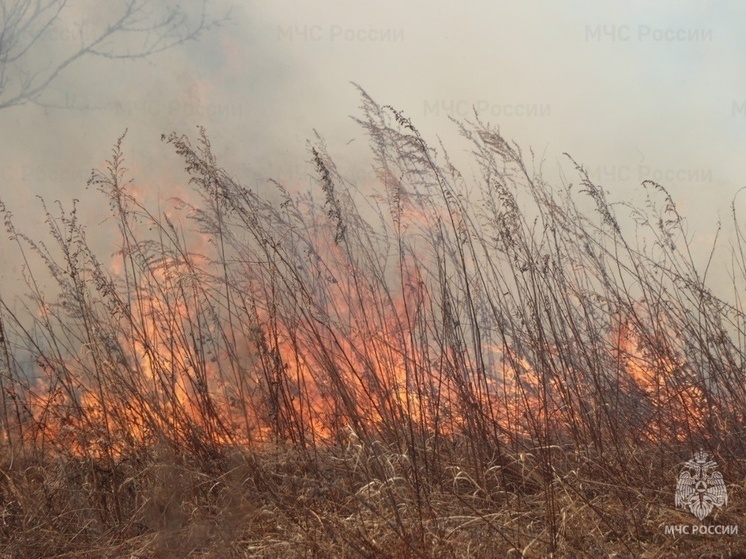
438, 365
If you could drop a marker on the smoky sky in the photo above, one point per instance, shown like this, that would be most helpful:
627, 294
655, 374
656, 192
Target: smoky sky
632, 91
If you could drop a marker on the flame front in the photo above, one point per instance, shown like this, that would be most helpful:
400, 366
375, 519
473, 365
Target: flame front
282, 322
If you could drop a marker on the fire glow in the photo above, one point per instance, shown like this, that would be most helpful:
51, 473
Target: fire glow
303, 320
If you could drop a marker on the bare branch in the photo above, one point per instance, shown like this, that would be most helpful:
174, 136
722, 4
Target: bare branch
136, 29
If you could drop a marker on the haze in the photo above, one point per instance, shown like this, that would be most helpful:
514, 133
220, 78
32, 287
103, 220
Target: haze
631, 91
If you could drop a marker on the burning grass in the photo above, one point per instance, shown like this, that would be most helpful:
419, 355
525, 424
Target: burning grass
450, 368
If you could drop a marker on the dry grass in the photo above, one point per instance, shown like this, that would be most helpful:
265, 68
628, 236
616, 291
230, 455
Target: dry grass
453, 367
280, 502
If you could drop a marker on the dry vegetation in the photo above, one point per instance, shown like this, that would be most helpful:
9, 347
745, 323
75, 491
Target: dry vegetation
457, 367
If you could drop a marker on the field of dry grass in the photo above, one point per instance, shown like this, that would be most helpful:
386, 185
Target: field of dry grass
465, 367
348, 500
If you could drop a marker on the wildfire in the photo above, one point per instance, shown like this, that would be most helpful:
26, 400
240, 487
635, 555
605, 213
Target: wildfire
299, 330
673, 394
309, 374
